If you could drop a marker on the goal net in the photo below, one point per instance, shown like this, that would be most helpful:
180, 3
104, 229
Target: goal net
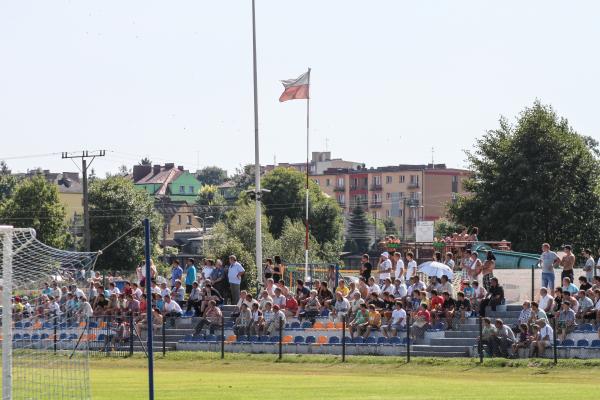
44, 318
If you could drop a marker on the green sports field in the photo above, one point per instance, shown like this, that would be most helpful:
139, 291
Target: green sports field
197, 375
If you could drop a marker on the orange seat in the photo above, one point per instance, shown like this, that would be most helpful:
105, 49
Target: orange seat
102, 324
322, 340
318, 325
231, 339
37, 325
82, 324
287, 339
339, 325
91, 337
330, 325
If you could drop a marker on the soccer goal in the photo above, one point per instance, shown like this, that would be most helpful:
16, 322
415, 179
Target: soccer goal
44, 347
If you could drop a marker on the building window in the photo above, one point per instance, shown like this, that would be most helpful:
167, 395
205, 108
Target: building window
414, 179
388, 196
401, 178
168, 228
191, 189
340, 182
327, 182
317, 182
388, 213
179, 220
377, 198
374, 214
400, 212
189, 219
377, 215
388, 179
377, 180
181, 189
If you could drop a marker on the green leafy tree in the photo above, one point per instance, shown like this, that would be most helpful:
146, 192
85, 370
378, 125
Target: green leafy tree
145, 161
390, 227
444, 227
244, 177
358, 232
34, 203
211, 175
286, 200
534, 182
4, 170
115, 207
210, 203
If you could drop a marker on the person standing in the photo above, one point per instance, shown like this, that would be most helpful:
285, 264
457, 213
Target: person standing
567, 263
399, 271
548, 260
234, 276
365, 267
411, 269
278, 269
190, 275
588, 268
488, 269
176, 272
385, 267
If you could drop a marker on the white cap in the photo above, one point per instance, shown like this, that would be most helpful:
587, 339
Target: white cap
385, 254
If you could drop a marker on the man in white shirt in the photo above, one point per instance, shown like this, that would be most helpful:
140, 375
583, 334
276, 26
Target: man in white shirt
588, 268
416, 285
411, 269
399, 266
373, 287
449, 260
385, 267
401, 289
171, 310
234, 275
546, 336
113, 289
279, 299
164, 290
77, 292
397, 323
546, 301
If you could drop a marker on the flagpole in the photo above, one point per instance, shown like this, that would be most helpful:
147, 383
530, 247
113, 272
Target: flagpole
307, 172
257, 191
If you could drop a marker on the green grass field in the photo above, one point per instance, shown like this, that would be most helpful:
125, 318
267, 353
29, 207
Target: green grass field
197, 375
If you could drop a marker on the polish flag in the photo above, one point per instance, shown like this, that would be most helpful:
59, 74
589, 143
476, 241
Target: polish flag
296, 88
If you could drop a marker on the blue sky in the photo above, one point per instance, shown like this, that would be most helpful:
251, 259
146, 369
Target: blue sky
390, 79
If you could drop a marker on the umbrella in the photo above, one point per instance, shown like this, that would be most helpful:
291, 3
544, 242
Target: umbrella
434, 268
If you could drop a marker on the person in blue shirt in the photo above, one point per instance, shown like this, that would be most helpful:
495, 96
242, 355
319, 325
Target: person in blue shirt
190, 275
176, 272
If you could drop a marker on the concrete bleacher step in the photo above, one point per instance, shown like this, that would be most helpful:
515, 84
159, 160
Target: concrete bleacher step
461, 334
433, 353
452, 342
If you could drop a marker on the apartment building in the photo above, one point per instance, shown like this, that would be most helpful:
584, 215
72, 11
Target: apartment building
320, 162
404, 193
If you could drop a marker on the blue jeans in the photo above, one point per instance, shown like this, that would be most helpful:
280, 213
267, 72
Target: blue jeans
548, 280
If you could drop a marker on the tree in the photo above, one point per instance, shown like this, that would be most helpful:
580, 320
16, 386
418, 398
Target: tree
534, 182
390, 227
211, 175
115, 207
145, 161
33, 203
210, 203
244, 177
286, 200
4, 170
357, 236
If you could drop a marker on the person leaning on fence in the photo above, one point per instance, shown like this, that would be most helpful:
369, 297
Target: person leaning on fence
488, 331
494, 297
397, 323
360, 322
212, 317
242, 322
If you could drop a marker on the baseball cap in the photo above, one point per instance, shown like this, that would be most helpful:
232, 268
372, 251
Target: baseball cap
385, 254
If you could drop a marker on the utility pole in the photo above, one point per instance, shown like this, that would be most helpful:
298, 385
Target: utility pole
84, 155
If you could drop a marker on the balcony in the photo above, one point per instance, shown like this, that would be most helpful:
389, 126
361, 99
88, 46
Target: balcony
358, 187
342, 203
412, 203
376, 187
376, 204
413, 185
339, 188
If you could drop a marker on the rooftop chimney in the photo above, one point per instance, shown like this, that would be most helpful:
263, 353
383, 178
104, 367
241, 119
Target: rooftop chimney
140, 171
156, 169
169, 165
180, 167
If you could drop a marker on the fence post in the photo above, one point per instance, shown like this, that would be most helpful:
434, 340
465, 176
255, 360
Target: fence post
222, 336
107, 322
532, 281
555, 354
408, 337
280, 337
164, 340
344, 338
480, 344
55, 322
337, 277
131, 328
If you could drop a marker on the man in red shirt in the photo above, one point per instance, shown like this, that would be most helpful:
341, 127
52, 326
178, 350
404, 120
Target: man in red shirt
291, 306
